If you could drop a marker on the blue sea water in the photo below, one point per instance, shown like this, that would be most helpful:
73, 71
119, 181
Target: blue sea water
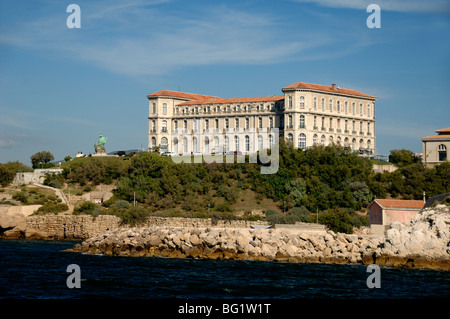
38, 270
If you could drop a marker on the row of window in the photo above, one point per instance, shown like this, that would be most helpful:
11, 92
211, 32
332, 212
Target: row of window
226, 147
340, 107
302, 124
237, 108
344, 107
217, 145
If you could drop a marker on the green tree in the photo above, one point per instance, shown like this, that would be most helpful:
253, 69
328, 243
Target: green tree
402, 157
43, 157
296, 190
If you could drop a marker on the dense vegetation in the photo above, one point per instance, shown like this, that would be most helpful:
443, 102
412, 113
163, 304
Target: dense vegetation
330, 184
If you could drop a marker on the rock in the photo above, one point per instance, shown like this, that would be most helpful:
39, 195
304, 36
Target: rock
268, 251
195, 240
242, 241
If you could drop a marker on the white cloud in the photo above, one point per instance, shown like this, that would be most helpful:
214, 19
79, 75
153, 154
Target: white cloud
9, 140
138, 39
390, 5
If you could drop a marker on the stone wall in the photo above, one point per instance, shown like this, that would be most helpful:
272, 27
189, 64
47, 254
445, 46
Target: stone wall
69, 226
201, 222
84, 226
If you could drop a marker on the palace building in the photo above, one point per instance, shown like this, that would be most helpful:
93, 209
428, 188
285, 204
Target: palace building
306, 114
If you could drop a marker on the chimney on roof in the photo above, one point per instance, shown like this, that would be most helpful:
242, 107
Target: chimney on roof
333, 87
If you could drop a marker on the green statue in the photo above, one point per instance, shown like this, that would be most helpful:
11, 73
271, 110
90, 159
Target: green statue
99, 146
101, 140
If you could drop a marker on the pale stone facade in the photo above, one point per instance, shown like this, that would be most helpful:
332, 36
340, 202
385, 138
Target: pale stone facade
305, 115
436, 148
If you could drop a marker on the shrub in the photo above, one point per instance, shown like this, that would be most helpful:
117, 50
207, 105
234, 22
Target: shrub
223, 207
338, 220
135, 216
85, 208
21, 197
122, 204
51, 208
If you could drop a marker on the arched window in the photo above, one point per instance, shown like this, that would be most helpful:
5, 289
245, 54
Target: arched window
153, 142
290, 101
195, 143
236, 143
322, 139
227, 144
302, 141
164, 144
164, 126
338, 106
185, 145
260, 143
175, 145
368, 109
247, 143
206, 144
302, 102
323, 104
331, 105
216, 144
315, 139
290, 138
442, 150
270, 141
302, 121
164, 108
290, 121
345, 107
315, 103
346, 143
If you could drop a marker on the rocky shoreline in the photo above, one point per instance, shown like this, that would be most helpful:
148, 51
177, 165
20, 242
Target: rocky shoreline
423, 243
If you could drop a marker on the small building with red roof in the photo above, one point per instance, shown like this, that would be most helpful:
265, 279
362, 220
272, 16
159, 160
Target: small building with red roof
383, 212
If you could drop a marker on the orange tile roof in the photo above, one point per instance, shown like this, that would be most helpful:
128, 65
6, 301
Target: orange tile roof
400, 203
324, 88
446, 136
183, 95
444, 130
442, 133
235, 100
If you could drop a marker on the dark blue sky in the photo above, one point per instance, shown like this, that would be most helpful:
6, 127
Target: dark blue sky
61, 87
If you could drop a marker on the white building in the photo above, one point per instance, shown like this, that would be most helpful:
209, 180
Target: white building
305, 115
436, 148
